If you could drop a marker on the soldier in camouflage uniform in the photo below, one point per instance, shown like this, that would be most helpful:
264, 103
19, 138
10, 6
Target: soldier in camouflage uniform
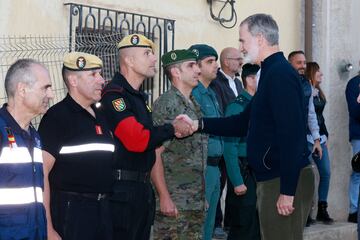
182, 159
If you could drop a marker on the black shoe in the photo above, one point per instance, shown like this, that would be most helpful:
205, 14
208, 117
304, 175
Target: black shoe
322, 214
352, 217
309, 222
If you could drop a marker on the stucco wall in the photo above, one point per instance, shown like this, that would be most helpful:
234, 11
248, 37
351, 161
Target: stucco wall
193, 22
336, 41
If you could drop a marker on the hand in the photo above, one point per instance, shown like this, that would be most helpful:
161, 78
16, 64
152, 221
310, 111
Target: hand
358, 99
240, 190
317, 146
167, 207
194, 123
182, 127
284, 205
52, 234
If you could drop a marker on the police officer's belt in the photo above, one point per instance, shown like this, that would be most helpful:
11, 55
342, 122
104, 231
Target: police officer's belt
96, 196
213, 161
127, 175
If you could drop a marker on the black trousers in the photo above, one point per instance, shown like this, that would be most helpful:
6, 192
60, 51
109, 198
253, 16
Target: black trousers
219, 214
244, 223
133, 210
81, 218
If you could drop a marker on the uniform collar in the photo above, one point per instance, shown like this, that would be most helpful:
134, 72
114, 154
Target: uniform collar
183, 99
11, 122
245, 94
120, 80
272, 59
75, 106
203, 90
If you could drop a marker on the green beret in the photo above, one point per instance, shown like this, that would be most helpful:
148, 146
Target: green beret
136, 40
202, 51
177, 56
79, 61
249, 69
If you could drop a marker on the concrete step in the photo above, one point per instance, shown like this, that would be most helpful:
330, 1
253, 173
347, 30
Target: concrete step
337, 231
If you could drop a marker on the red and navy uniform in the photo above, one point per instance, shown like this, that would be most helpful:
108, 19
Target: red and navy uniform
129, 118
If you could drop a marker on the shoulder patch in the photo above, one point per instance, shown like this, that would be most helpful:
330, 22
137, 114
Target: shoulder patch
119, 104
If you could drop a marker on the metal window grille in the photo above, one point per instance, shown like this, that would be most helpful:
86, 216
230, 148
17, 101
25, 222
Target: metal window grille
93, 30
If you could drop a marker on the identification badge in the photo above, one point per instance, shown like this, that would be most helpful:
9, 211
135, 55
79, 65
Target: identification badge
98, 130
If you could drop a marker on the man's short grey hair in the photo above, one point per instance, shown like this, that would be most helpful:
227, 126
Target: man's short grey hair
20, 71
265, 25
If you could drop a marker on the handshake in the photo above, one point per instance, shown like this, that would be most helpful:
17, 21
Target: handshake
184, 126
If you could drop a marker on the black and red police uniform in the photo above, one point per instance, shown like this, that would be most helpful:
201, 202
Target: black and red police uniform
136, 139
81, 178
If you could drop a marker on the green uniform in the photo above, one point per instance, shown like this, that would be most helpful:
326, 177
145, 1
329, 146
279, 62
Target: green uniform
244, 218
184, 161
210, 108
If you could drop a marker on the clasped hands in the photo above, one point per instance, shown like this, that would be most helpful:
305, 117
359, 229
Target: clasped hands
184, 126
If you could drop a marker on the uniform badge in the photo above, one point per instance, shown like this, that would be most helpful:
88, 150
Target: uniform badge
98, 130
173, 56
119, 104
134, 40
80, 62
196, 52
11, 138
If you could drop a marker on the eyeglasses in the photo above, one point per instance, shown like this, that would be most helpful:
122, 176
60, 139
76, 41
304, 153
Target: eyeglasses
237, 59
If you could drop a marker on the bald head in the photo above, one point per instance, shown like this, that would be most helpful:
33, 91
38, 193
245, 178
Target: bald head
231, 60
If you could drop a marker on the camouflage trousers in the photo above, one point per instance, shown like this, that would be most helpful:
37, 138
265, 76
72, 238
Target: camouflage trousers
188, 225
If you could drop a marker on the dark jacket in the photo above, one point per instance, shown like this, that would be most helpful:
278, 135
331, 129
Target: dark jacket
277, 144
277, 133
223, 91
319, 104
352, 92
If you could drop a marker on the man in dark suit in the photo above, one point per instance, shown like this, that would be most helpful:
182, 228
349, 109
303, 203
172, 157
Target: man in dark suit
226, 85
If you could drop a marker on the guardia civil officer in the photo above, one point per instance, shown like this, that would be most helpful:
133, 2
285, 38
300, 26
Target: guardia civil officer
78, 156
22, 213
130, 121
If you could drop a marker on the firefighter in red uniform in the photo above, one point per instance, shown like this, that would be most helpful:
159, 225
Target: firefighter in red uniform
129, 117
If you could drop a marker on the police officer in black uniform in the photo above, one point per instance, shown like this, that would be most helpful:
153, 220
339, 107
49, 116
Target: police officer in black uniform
130, 120
78, 156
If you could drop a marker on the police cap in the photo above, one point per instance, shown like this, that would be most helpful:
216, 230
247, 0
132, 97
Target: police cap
202, 51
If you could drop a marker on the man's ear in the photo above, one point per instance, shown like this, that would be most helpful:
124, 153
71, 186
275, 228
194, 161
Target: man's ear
175, 72
21, 89
260, 39
72, 80
129, 60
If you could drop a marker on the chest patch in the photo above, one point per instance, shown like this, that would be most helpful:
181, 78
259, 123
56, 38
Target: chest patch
119, 104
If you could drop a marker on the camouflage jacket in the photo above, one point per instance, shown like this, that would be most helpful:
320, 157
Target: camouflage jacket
183, 159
